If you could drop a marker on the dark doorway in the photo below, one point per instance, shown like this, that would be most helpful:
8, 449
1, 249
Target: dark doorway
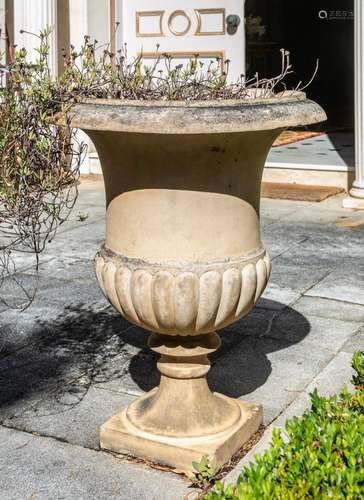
310, 30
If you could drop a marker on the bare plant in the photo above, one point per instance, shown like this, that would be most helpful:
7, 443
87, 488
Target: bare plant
39, 163
115, 76
39, 160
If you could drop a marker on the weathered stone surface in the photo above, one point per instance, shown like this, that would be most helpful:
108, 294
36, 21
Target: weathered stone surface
120, 435
192, 299
25, 262
315, 245
330, 309
294, 278
204, 117
279, 241
183, 254
276, 210
340, 285
20, 290
41, 468
356, 342
289, 352
278, 297
67, 268
73, 415
327, 215
142, 374
84, 216
330, 334
61, 356
18, 327
335, 376
254, 370
67, 243
46, 347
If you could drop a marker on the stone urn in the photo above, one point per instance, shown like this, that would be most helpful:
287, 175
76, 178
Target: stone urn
183, 257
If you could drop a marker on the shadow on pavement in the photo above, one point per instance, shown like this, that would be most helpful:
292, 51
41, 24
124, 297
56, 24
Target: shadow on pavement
57, 361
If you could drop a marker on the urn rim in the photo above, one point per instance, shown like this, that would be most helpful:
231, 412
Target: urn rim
196, 117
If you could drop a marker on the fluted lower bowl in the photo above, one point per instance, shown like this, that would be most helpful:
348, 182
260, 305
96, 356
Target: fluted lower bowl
176, 301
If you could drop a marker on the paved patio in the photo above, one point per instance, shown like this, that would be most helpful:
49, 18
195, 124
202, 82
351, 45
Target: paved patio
332, 151
69, 362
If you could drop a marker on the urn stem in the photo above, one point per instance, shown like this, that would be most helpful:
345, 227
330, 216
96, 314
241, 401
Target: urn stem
183, 404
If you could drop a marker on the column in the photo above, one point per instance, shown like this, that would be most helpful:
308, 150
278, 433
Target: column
7, 29
63, 31
78, 22
2, 26
79, 27
91, 17
9, 19
34, 16
94, 18
99, 28
99, 18
356, 199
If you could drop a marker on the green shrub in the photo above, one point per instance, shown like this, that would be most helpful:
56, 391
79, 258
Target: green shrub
358, 366
323, 457
203, 474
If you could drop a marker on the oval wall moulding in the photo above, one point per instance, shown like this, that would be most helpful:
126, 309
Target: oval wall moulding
172, 23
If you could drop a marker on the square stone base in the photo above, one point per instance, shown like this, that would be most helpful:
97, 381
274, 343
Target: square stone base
119, 435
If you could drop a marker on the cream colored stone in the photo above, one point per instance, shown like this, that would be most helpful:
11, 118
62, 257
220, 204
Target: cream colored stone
183, 256
108, 278
248, 289
120, 436
141, 297
357, 193
209, 300
231, 288
175, 302
353, 203
162, 297
155, 428
123, 289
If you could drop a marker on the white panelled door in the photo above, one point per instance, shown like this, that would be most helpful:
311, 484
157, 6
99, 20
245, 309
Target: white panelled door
183, 28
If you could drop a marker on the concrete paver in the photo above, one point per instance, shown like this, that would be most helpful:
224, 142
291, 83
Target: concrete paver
333, 149
34, 467
69, 362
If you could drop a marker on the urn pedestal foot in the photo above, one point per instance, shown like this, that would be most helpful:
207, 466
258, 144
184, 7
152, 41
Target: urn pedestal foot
182, 420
